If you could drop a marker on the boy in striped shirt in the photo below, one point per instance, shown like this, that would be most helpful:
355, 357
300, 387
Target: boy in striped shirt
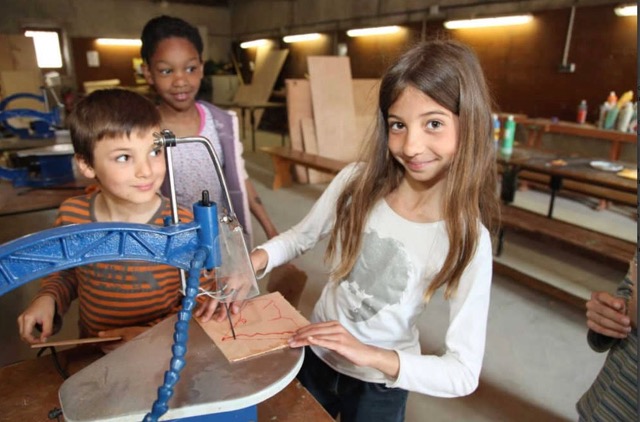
112, 134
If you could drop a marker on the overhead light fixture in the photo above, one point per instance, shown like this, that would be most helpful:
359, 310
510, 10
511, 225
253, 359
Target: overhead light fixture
626, 10
254, 43
119, 41
380, 30
301, 38
489, 22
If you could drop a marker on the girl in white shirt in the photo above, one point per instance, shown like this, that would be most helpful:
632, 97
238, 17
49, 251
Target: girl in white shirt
408, 220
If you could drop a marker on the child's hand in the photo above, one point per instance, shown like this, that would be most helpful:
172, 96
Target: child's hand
127, 333
606, 315
207, 309
41, 311
333, 336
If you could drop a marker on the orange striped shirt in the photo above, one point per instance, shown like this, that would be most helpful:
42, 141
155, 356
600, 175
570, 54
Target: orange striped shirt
114, 294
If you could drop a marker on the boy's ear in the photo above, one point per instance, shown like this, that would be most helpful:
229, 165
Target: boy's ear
146, 73
84, 167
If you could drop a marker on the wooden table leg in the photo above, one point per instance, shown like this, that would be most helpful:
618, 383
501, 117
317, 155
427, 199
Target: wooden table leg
282, 170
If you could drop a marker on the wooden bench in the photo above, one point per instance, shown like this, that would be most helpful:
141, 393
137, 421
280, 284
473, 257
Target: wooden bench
607, 249
284, 158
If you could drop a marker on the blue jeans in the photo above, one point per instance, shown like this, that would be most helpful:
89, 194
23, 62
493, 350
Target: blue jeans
354, 400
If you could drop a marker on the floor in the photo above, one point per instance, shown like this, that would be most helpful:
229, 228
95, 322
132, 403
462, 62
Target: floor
537, 362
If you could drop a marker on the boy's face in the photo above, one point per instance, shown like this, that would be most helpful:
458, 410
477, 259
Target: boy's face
175, 70
128, 169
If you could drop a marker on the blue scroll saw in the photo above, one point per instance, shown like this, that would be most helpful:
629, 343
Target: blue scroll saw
199, 384
43, 123
41, 167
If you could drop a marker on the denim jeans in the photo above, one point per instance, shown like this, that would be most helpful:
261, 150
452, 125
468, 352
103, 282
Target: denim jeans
354, 400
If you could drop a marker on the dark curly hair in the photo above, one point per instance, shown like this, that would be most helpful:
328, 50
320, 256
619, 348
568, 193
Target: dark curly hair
162, 27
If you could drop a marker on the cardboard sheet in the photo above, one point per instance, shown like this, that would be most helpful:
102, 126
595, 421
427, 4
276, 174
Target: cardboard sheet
264, 324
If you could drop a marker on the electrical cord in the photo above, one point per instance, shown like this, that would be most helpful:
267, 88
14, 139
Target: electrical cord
56, 362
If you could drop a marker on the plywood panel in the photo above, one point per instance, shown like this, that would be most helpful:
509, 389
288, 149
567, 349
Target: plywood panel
333, 107
298, 92
365, 96
264, 324
17, 53
310, 142
268, 66
17, 81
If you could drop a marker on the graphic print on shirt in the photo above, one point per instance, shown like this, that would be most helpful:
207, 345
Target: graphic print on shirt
115, 278
379, 277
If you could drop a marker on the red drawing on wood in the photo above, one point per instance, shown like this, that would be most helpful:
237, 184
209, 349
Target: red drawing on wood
264, 324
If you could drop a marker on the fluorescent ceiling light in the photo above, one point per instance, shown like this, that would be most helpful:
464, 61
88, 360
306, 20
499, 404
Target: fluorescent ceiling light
254, 43
626, 10
47, 45
381, 30
488, 22
301, 37
119, 41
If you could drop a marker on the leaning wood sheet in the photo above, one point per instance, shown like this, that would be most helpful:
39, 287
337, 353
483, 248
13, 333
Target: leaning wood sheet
298, 107
264, 324
333, 107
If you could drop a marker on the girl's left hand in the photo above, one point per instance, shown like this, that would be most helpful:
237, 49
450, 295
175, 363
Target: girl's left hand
333, 336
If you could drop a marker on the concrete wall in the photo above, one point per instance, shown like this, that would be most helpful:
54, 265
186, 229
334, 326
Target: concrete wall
114, 18
280, 17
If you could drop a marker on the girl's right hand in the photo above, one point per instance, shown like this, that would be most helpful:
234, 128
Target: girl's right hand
41, 311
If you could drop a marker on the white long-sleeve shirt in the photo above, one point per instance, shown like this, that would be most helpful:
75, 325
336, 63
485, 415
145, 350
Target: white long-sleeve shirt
381, 299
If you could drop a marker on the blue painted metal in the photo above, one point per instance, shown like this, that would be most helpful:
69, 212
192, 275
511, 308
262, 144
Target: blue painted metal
248, 414
36, 255
43, 126
41, 171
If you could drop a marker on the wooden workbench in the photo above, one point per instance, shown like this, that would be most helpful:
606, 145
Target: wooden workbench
29, 391
22, 200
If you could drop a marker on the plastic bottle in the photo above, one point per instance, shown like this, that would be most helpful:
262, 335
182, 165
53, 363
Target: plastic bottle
496, 130
612, 99
624, 99
582, 112
624, 118
610, 118
602, 115
508, 137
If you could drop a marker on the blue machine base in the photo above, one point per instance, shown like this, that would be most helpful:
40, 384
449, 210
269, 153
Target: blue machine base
248, 414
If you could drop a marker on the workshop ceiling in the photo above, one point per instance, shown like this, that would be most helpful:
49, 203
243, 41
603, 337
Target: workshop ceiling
215, 3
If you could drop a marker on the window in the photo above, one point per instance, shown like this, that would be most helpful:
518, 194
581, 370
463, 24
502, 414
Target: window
47, 44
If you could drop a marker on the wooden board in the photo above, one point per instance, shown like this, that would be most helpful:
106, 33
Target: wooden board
333, 107
365, 96
74, 342
264, 324
268, 65
298, 92
311, 146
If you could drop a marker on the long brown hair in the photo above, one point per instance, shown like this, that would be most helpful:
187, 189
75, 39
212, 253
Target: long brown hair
449, 72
